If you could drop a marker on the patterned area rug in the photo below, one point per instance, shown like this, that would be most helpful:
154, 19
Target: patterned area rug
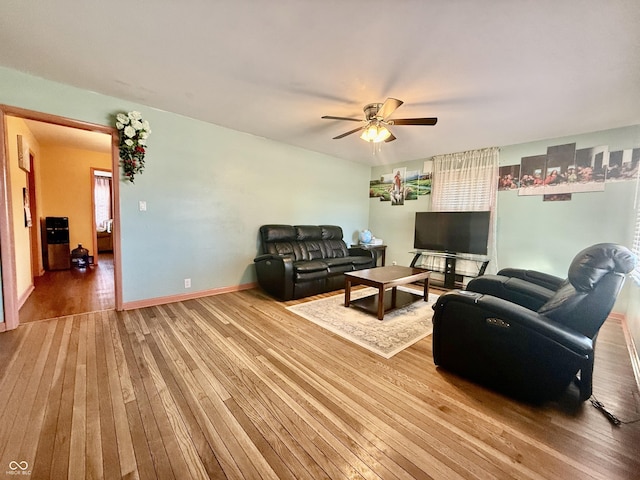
398, 330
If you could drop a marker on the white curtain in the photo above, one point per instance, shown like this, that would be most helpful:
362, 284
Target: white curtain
468, 181
102, 198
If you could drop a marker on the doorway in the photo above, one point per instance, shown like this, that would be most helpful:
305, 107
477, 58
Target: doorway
15, 299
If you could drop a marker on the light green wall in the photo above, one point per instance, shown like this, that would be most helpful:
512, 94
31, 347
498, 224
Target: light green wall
531, 233
546, 235
207, 189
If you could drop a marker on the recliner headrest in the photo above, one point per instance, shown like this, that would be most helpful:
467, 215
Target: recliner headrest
594, 262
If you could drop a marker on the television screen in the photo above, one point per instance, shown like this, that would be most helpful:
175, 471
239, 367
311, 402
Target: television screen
455, 232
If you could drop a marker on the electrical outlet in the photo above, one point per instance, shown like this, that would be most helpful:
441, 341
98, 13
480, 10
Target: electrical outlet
142, 205
187, 283
394, 263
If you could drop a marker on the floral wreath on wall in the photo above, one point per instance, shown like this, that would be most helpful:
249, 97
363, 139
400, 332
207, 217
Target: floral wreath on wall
133, 142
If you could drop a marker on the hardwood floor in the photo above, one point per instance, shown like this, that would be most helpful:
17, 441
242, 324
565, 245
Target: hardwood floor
235, 386
68, 292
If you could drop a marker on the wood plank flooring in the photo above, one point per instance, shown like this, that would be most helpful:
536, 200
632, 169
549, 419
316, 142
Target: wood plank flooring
235, 386
68, 292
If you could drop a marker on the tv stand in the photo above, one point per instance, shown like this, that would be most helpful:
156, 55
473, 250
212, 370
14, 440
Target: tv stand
452, 279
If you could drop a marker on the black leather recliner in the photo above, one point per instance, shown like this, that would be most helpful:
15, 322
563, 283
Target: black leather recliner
302, 260
496, 338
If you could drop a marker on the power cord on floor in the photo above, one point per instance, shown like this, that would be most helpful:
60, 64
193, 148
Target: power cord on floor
610, 416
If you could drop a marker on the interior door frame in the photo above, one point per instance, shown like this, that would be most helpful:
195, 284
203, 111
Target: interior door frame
7, 252
34, 230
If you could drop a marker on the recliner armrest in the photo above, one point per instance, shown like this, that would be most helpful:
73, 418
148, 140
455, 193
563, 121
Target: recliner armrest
539, 278
488, 308
526, 294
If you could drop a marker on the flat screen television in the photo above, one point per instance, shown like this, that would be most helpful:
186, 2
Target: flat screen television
454, 232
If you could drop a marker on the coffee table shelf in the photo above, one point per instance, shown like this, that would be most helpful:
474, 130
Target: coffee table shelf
384, 278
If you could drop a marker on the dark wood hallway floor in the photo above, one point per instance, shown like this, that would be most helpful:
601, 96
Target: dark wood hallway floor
59, 293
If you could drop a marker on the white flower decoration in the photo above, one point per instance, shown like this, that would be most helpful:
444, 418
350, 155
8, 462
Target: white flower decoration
133, 142
129, 131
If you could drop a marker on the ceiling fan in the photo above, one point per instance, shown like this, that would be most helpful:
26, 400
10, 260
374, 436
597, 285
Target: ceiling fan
376, 120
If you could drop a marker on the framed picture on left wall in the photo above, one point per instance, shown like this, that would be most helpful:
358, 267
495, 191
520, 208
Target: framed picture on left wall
27, 208
23, 154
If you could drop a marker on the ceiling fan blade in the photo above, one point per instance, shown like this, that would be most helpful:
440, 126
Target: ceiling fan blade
414, 121
388, 107
348, 133
391, 138
330, 117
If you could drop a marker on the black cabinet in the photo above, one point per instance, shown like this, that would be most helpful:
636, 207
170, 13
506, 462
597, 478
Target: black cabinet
55, 243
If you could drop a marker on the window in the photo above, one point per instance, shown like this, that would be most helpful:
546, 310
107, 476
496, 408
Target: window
102, 200
467, 181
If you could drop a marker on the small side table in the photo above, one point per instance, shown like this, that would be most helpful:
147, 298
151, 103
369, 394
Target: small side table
379, 251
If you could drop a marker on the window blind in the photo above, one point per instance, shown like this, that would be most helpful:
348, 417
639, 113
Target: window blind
465, 181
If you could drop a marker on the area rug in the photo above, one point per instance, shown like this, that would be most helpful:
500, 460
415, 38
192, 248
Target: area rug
398, 330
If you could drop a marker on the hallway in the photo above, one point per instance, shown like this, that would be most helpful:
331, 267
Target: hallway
68, 292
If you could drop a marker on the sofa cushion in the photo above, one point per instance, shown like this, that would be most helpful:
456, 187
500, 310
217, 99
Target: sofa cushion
312, 249
277, 233
310, 266
306, 270
341, 268
359, 260
335, 248
338, 261
331, 232
308, 232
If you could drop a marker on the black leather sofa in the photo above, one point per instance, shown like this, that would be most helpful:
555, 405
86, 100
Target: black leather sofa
302, 260
527, 338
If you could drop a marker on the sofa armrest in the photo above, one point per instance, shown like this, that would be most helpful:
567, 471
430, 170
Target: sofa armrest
275, 274
539, 278
361, 252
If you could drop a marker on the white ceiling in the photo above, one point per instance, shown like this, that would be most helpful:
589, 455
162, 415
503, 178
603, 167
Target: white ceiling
495, 72
48, 134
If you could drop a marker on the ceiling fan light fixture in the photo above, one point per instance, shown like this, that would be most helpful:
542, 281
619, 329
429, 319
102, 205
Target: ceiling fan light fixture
375, 133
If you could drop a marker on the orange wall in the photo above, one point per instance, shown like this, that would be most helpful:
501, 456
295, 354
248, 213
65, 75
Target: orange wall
66, 188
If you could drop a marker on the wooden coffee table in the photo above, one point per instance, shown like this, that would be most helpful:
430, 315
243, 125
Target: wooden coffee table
384, 278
